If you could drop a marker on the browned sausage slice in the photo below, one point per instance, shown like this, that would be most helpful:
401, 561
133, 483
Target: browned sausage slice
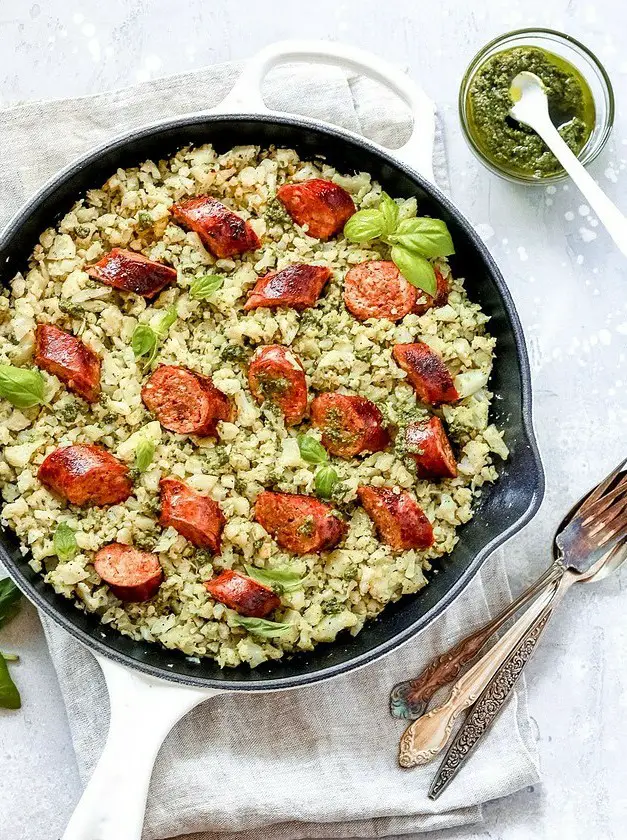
132, 272
441, 295
297, 286
84, 473
427, 373
132, 575
399, 520
186, 402
277, 375
299, 523
243, 594
222, 231
198, 518
429, 446
350, 425
323, 206
377, 289
73, 362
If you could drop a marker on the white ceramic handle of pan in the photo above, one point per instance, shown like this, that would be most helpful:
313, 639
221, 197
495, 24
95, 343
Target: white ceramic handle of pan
143, 711
246, 97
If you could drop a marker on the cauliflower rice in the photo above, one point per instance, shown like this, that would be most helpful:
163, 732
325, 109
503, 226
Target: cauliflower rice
342, 588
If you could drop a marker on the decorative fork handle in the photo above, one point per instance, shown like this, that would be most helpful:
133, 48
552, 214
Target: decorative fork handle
488, 705
409, 699
426, 737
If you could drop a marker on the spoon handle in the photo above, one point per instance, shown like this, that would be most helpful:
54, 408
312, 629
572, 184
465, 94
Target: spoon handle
409, 699
614, 221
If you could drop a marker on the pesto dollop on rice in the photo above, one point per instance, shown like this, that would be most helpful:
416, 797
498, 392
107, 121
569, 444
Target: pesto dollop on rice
340, 589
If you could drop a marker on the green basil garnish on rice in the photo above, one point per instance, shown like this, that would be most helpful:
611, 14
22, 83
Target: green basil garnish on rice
203, 287
64, 542
147, 337
414, 242
22, 387
144, 453
325, 480
311, 450
261, 626
280, 580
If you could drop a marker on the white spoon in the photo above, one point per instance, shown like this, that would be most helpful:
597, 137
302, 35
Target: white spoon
531, 107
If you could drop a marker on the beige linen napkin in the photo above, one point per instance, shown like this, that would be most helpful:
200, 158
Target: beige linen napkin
313, 762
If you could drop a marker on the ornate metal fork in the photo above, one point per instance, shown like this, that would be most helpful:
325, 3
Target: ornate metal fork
583, 544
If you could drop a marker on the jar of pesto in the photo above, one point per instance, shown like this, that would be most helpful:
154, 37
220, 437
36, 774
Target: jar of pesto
581, 104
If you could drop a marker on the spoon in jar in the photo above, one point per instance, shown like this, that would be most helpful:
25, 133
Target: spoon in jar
531, 107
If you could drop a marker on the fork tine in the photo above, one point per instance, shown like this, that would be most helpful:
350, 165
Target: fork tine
600, 489
604, 501
613, 529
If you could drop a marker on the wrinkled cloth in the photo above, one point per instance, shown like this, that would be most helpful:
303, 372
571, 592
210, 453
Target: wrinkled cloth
316, 762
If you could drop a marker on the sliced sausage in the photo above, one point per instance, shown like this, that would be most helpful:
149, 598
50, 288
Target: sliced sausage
132, 272
299, 523
377, 289
84, 473
427, 372
222, 231
297, 286
277, 375
186, 402
73, 362
323, 206
399, 520
198, 518
441, 295
350, 425
132, 575
427, 443
243, 594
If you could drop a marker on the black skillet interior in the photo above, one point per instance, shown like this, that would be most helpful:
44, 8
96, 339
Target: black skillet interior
504, 507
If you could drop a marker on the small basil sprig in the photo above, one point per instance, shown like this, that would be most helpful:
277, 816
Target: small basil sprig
146, 337
414, 242
64, 542
144, 453
22, 387
325, 480
10, 597
261, 626
203, 287
280, 580
314, 452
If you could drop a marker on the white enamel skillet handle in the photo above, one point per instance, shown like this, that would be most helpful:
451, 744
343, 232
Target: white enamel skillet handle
246, 97
143, 710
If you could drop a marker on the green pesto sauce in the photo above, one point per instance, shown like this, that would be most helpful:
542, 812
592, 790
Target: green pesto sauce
514, 147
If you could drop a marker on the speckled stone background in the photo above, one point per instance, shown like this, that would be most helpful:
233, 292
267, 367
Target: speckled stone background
570, 286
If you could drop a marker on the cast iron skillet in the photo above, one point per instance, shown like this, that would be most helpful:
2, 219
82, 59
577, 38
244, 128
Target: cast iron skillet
505, 506
158, 687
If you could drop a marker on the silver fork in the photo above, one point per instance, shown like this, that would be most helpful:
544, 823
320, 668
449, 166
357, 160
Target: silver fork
584, 542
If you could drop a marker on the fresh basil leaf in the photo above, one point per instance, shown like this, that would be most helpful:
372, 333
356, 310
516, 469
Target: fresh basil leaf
261, 626
424, 236
365, 225
144, 453
10, 597
311, 450
389, 210
9, 695
203, 287
163, 325
283, 580
64, 542
22, 387
415, 269
325, 480
143, 341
